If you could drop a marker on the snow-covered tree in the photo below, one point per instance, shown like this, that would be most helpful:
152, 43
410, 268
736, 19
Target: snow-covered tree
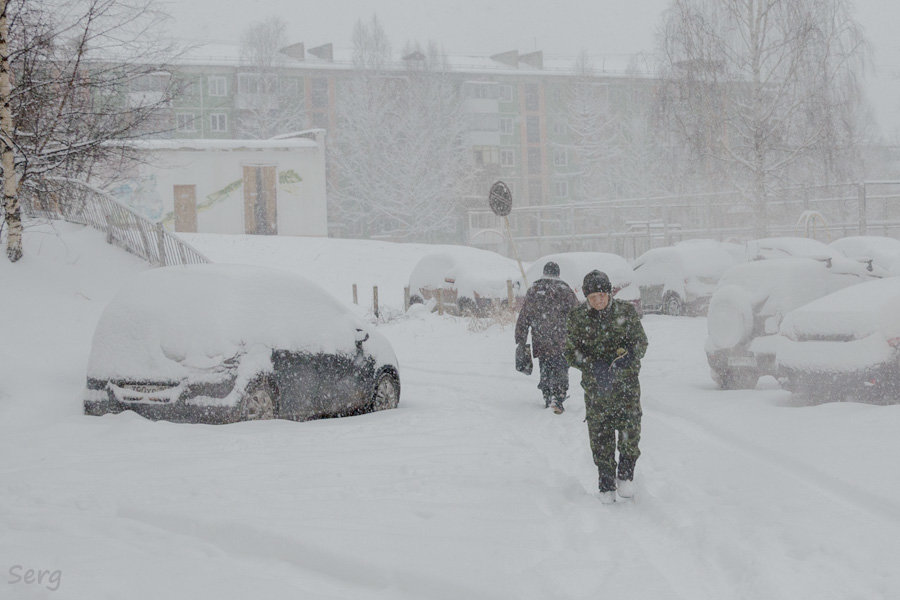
82, 74
398, 160
764, 91
271, 102
614, 135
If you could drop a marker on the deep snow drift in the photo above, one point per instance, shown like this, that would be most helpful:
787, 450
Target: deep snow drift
469, 490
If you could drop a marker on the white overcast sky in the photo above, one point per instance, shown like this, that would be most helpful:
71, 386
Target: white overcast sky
559, 28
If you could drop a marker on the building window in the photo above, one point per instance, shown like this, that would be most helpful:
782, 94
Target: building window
560, 158
486, 155
560, 127
319, 93
534, 161
218, 85
507, 158
506, 94
532, 97
533, 130
185, 122
535, 191
218, 122
561, 189
188, 89
289, 86
506, 125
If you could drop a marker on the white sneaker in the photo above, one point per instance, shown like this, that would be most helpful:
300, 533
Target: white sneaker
625, 487
607, 497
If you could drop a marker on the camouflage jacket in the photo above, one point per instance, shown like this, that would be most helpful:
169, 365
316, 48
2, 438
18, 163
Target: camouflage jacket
595, 338
547, 304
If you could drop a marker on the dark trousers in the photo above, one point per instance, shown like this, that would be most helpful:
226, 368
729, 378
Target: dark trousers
554, 381
612, 418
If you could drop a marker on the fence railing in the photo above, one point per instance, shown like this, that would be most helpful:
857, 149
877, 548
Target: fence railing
632, 226
124, 227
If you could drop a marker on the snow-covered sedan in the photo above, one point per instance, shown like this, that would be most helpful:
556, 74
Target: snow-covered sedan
573, 266
846, 343
222, 343
880, 254
749, 304
680, 279
472, 280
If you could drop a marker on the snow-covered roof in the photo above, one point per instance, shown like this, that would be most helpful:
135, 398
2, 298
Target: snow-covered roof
222, 145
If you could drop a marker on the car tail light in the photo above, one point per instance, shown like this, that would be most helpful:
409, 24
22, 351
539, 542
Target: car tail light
894, 342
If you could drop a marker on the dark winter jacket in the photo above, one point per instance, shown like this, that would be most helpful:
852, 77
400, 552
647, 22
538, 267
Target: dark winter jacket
547, 304
606, 345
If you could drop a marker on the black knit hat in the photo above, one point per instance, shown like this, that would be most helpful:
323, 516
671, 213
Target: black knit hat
551, 269
596, 281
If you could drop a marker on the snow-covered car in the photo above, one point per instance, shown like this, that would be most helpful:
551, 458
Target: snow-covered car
470, 279
680, 279
573, 266
880, 254
846, 343
749, 304
222, 343
784, 247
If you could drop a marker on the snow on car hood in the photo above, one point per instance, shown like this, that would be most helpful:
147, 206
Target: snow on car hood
856, 311
170, 322
468, 270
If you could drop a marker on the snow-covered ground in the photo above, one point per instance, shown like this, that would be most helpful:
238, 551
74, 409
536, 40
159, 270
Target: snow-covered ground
470, 490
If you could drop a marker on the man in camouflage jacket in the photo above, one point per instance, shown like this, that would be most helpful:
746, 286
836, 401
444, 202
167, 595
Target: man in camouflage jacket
606, 341
547, 304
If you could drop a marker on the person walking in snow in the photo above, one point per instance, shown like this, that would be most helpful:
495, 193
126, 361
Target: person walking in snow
606, 341
547, 304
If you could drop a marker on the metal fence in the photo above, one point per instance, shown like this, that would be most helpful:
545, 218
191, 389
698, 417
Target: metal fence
632, 226
123, 227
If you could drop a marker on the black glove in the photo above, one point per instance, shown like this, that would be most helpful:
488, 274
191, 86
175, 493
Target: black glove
624, 360
603, 375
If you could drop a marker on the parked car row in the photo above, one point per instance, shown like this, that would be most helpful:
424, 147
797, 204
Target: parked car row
821, 319
222, 343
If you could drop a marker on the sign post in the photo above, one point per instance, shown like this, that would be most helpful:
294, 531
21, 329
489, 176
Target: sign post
500, 201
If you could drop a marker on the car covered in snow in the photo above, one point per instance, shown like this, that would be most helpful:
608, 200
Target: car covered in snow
223, 343
749, 304
470, 280
880, 254
573, 266
844, 344
679, 279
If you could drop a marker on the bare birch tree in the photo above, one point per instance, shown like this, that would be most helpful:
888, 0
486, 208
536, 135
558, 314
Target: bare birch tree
398, 156
83, 73
762, 89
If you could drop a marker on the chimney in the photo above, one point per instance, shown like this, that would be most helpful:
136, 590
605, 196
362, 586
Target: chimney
294, 51
325, 52
510, 58
533, 59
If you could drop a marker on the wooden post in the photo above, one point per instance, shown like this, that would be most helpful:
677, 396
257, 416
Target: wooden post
509, 294
440, 301
375, 300
355, 298
406, 298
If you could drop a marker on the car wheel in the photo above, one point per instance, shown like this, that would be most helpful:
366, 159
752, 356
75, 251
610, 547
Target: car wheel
258, 402
736, 379
673, 305
416, 299
387, 392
